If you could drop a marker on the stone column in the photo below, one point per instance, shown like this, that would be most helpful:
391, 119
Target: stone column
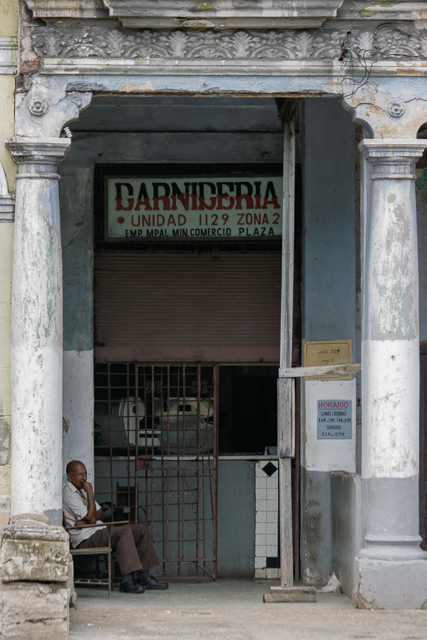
393, 569
35, 547
37, 331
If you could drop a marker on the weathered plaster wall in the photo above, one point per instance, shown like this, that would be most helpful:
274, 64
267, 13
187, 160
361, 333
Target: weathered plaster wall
421, 195
9, 18
76, 200
347, 532
7, 102
328, 312
8, 32
6, 239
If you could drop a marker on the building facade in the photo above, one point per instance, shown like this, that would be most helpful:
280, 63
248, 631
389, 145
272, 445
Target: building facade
214, 204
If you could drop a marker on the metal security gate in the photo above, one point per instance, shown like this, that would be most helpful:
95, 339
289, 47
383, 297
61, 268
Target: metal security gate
156, 457
176, 307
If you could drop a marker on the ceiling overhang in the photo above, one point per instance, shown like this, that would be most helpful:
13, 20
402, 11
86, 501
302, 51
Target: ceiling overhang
196, 14
223, 14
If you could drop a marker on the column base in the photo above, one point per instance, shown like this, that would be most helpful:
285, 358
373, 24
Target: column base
397, 548
33, 550
34, 611
391, 584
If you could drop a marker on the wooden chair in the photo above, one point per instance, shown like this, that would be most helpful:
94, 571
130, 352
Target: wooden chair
97, 551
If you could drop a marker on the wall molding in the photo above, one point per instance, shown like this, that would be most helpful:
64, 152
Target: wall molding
7, 201
8, 55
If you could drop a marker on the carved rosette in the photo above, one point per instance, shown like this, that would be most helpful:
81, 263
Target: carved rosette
396, 108
38, 106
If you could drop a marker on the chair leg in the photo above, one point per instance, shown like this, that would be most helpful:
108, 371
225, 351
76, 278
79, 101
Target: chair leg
109, 573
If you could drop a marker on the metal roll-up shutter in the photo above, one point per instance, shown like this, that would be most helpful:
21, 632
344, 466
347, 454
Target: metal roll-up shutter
187, 307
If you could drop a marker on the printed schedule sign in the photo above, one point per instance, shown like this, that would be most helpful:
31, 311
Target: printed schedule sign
194, 208
334, 419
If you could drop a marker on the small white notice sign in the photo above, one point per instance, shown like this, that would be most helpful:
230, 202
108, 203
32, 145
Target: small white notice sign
334, 419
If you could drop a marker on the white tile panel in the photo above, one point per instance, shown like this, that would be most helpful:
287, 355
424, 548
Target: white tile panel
261, 527
271, 528
272, 516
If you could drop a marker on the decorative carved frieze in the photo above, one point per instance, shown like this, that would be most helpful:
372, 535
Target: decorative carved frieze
387, 43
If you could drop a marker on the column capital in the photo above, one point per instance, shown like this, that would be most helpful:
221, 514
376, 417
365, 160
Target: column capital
37, 158
393, 159
33, 151
391, 147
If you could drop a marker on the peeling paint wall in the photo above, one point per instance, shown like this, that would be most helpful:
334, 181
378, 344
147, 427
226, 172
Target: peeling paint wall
328, 313
347, 538
76, 194
421, 196
8, 30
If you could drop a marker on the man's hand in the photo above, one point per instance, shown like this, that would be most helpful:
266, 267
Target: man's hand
90, 517
79, 523
88, 488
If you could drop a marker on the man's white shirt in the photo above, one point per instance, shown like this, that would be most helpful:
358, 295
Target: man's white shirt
75, 507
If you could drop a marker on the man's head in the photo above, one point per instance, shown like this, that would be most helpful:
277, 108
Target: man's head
76, 473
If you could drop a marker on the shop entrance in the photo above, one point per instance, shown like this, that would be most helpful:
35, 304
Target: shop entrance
187, 312
160, 431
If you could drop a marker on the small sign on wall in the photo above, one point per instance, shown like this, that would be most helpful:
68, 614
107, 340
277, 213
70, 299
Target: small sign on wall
327, 352
334, 419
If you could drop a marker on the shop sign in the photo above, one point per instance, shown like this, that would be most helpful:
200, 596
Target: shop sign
334, 419
197, 208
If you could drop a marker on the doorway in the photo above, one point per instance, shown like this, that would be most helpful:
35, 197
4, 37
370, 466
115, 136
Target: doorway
179, 302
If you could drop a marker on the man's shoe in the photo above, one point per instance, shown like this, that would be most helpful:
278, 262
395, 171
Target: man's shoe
152, 583
131, 587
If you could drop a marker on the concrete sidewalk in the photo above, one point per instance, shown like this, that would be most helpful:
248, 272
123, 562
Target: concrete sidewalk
233, 610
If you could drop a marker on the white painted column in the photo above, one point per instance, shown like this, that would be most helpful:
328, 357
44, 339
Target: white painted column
37, 331
390, 369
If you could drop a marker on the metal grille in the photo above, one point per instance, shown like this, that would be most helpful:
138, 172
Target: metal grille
156, 457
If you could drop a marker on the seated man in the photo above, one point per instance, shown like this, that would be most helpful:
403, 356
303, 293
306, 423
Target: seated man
132, 543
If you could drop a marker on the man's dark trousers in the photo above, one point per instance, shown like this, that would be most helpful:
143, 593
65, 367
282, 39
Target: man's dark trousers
131, 543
